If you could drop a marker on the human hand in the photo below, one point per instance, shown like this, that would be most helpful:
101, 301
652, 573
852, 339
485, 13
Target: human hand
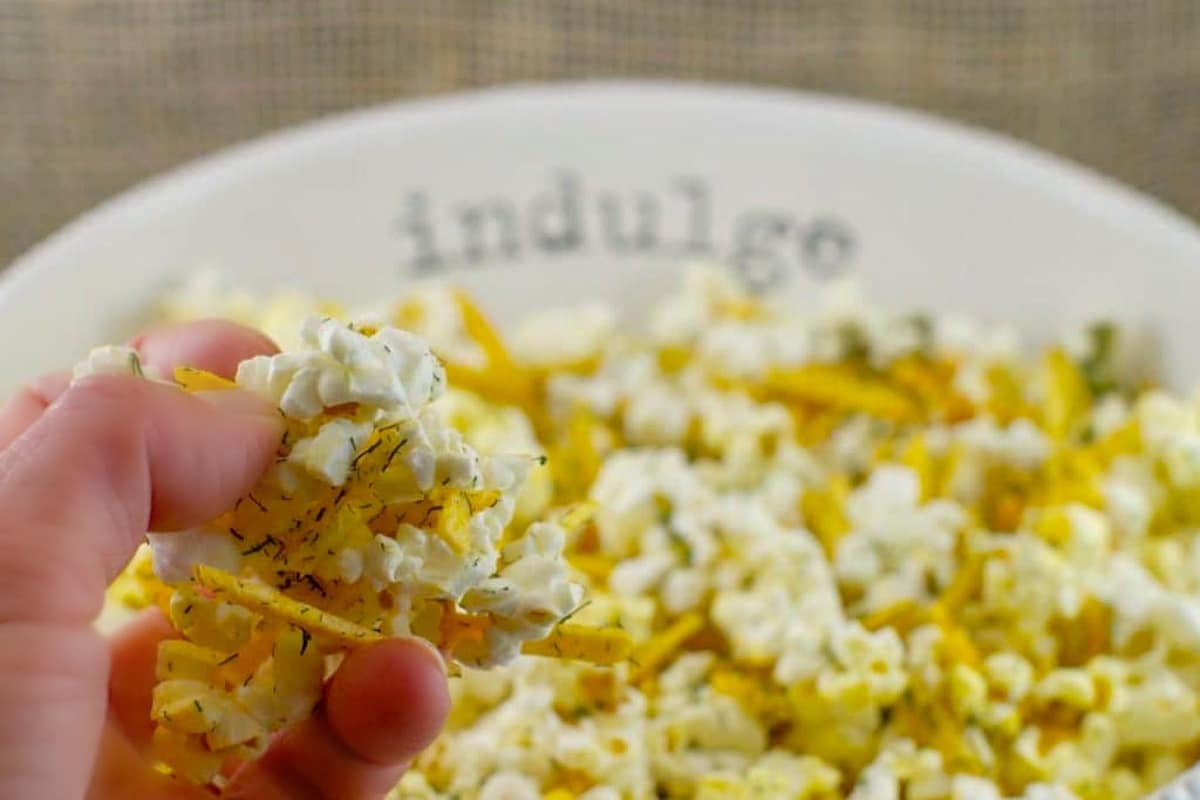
85, 471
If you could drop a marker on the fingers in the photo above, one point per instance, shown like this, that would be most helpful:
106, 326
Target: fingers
87, 470
214, 345
121, 769
122, 772
52, 694
131, 685
385, 704
114, 457
110, 458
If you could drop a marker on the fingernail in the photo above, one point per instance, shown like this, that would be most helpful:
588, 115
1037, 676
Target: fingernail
434, 654
238, 401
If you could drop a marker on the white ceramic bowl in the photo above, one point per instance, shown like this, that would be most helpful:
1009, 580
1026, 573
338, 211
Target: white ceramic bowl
533, 195
539, 195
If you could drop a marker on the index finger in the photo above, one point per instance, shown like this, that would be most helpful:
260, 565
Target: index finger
213, 345
112, 457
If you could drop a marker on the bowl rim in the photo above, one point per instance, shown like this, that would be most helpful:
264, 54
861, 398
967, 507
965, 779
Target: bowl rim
1108, 199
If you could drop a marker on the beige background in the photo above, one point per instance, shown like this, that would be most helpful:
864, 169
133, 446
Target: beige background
96, 94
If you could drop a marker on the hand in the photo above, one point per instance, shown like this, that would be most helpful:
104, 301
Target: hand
85, 471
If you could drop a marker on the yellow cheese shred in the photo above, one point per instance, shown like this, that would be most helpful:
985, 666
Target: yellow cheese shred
199, 380
842, 387
602, 646
278, 607
658, 650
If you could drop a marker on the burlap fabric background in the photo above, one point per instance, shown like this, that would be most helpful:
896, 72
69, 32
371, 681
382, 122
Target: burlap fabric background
95, 94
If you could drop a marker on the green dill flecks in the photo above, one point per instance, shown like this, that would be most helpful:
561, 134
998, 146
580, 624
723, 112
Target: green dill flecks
135, 365
853, 340
305, 638
391, 455
428, 515
575, 611
663, 506
227, 660
682, 545
256, 502
542, 460
199, 707
235, 534
1088, 434
1098, 365
367, 452
678, 540
267, 540
315, 584
922, 326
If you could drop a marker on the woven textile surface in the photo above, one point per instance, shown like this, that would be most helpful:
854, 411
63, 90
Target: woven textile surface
97, 94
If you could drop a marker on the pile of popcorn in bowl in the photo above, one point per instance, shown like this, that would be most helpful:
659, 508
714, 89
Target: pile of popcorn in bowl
736, 550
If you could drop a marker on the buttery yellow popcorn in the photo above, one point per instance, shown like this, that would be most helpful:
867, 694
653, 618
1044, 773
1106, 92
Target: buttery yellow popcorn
830, 553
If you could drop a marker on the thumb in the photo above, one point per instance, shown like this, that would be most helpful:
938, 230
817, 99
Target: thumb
111, 458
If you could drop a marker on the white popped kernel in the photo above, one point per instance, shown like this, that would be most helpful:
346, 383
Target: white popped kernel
110, 360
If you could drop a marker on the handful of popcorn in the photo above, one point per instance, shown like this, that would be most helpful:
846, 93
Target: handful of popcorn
375, 520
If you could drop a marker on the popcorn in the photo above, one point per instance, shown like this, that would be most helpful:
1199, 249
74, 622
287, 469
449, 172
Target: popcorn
109, 360
375, 520
563, 337
827, 553
1070, 686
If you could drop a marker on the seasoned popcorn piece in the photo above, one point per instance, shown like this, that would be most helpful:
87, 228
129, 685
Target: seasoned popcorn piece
374, 515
